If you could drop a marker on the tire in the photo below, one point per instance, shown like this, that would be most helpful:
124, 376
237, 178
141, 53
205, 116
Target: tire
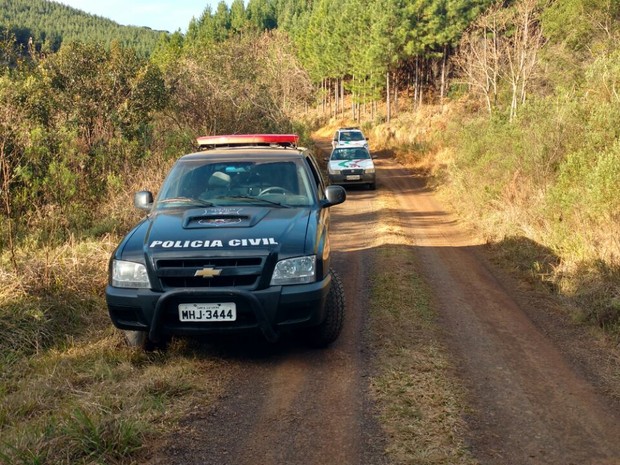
140, 340
372, 186
328, 331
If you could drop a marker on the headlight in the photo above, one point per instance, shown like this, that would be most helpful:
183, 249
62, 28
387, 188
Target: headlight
370, 171
333, 171
299, 270
129, 274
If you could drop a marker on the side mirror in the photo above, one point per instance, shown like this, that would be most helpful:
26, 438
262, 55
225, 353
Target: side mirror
335, 195
143, 200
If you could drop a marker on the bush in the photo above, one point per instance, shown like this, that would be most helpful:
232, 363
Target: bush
551, 176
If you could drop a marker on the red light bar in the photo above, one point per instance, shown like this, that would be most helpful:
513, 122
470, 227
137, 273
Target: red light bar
248, 139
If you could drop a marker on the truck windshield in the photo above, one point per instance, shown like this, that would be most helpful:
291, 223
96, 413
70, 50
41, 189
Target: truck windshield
275, 182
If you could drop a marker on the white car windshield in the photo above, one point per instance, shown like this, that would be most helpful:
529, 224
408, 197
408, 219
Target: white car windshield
350, 154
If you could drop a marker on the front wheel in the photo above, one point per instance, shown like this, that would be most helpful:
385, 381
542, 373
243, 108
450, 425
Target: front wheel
328, 331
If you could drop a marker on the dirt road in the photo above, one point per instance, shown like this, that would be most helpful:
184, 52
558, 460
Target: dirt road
289, 404
536, 384
536, 396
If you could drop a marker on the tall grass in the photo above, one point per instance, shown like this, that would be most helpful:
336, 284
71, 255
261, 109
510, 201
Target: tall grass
71, 391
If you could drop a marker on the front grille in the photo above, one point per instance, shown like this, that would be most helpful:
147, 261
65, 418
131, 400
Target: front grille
202, 262
352, 172
235, 272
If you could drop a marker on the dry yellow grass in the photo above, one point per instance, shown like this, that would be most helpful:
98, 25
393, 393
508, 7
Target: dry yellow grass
585, 253
71, 391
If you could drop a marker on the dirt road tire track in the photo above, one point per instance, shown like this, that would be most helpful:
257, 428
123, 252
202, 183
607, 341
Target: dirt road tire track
293, 404
530, 404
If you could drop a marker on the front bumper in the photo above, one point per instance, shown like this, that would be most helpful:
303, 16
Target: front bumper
344, 179
268, 310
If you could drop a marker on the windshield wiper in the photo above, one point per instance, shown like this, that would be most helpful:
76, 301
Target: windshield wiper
188, 201
249, 197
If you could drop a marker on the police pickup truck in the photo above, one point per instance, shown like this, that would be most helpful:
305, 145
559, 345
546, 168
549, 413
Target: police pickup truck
236, 240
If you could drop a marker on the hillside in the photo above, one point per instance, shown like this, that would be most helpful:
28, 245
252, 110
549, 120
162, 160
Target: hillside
51, 23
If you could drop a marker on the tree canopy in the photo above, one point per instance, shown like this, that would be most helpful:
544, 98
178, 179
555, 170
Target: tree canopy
46, 25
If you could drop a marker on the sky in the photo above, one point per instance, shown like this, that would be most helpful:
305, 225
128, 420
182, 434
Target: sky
167, 15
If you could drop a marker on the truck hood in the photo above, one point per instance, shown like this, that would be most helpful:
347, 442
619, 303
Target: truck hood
358, 164
220, 231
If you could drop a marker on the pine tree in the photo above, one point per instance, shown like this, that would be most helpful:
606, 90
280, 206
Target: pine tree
238, 18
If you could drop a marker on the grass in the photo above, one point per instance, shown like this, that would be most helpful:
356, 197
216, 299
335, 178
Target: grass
541, 191
418, 394
94, 400
71, 391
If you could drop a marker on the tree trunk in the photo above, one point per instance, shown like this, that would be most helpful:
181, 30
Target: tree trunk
328, 95
336, 98
388, 115
395, 80
353, 100
342, 99
444, 63
416, 83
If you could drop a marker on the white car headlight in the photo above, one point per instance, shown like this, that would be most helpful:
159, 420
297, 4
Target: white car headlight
333, 171
299, 270
129, 274
370, 171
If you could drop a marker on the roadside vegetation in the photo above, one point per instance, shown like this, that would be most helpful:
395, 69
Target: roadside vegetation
523, 139
535, 166
80, 131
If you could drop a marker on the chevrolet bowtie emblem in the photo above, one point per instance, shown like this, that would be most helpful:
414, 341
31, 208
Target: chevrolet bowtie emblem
208, 273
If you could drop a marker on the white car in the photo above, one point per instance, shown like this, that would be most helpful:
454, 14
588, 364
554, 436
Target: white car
349, 137
351, 165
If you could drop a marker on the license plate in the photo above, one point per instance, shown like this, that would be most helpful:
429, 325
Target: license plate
353, 177
226, 311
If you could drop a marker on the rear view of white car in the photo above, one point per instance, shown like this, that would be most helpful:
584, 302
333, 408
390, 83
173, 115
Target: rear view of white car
349, 137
